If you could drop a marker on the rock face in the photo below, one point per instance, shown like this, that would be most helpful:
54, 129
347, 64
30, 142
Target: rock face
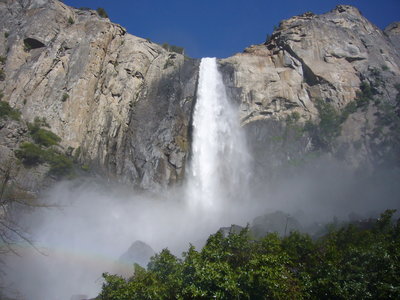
309, 57
274, 222
121, 103
312, 57
393, 32
139, 253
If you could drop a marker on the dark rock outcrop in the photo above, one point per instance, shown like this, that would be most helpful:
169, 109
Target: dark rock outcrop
138, 253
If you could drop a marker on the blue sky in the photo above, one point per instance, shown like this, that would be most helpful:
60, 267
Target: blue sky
222, 27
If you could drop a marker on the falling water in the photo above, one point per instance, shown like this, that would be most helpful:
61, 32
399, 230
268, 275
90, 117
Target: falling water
219, 156
94, 225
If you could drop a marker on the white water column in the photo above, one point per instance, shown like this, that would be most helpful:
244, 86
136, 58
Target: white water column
218, 168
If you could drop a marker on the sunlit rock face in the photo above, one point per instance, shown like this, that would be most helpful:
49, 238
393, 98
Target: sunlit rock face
312, 57
121, 103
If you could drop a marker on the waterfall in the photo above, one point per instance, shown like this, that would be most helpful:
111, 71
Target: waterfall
218, 166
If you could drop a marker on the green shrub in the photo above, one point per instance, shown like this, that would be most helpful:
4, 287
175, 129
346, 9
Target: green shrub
375, 72
30, 154
60, 164
102, 13
349, 109
2, 75
350, 262
42, 136
42, 152
6, 111
70, 20
173, 48
177, 49
328, 128
3, 59
384, 68
45, 137
27, 46
165, 46
293, 118
41, 122
6, 34
65, 97
365, 95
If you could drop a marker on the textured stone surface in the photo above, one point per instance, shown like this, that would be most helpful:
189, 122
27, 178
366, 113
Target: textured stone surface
123, 101
311, 57
124, 104
393, 32
139, 253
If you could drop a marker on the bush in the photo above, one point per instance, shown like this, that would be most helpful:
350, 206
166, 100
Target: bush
384, 68
102, 13
65, 97
41, 152
30, 154
70, 20
347, 263
3, 59
328, 128
6, 111
2, 75
45, 137
42, 136
27, 46
293, 118
60, 164
365, 95
173, 48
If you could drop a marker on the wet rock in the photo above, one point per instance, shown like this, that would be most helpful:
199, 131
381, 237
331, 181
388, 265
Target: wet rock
139, 253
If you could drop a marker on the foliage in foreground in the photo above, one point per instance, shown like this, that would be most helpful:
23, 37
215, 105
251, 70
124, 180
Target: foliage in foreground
347, 263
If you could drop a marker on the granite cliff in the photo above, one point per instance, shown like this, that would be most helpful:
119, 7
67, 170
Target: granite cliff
122, 104
339, 58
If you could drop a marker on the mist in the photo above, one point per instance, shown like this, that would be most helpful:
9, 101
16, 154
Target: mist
90, 223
